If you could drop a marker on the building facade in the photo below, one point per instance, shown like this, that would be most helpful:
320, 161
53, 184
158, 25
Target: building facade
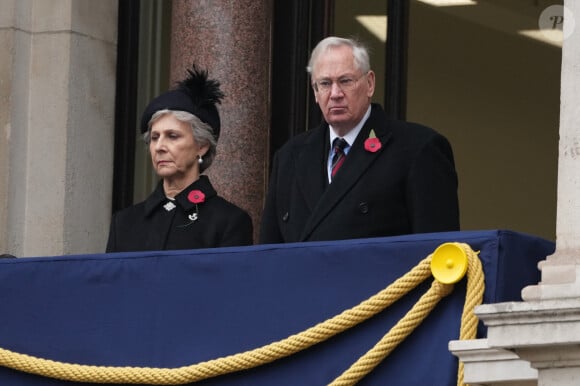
76, 73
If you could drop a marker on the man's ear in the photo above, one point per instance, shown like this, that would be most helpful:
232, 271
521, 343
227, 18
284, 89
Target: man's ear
371, 83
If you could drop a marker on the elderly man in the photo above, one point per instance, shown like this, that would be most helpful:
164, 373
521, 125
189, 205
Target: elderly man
359, 174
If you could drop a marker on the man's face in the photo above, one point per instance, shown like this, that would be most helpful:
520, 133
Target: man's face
342, 91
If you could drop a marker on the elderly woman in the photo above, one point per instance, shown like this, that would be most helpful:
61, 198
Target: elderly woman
181, 128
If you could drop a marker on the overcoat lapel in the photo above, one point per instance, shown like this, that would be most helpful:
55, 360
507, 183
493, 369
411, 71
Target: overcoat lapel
355, 166
156, 238
311, 166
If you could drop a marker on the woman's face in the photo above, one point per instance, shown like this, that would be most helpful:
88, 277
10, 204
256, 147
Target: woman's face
174, 151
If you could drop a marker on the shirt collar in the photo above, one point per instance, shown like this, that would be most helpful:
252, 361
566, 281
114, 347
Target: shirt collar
351, 135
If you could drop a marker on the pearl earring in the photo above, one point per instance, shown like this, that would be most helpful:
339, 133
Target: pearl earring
199, 159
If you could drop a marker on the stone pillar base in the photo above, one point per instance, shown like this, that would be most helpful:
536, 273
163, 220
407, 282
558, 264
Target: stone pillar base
545, 334
488, 366
558, 282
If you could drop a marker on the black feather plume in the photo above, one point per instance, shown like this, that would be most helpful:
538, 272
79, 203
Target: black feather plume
203, 91
195, 94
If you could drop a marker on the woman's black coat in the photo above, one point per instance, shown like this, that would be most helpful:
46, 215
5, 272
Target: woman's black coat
150, 226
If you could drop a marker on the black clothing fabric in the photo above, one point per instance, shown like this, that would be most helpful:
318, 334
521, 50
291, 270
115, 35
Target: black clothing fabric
150, 226
407, 184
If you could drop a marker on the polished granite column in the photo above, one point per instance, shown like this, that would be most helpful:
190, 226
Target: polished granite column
232, 40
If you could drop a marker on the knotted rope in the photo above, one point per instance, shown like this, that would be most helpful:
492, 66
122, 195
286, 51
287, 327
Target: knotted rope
288, 346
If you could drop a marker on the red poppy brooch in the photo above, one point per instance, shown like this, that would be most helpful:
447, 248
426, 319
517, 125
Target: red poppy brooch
372, 143
196, 197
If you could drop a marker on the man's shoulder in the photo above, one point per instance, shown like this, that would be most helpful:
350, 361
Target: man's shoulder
399, 128
412, 128
301, 139
412, 132
413, 138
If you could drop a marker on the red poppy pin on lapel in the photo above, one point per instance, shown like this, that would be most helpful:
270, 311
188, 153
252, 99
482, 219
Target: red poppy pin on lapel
372, 143
196, 196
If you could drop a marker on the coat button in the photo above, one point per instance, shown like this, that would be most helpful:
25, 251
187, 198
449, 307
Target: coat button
363, 207
285, 217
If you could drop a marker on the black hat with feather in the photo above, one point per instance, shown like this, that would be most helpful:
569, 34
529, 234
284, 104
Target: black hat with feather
195, 94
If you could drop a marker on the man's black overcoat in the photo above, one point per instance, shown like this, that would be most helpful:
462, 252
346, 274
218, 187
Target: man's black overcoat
408, 186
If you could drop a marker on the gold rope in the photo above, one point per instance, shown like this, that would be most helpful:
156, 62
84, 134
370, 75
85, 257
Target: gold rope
473, 298
396, 335
253, 358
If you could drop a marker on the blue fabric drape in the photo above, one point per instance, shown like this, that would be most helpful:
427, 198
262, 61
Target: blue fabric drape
175, 308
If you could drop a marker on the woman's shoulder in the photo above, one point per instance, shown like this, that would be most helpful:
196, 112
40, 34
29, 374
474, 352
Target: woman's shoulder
133, 211
216, 201
227, 207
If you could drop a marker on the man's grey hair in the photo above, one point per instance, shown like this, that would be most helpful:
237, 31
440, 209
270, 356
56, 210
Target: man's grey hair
359, 51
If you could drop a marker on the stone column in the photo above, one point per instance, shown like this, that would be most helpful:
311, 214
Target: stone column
544, 330
561, 271
231, 39
7, 41
58, 68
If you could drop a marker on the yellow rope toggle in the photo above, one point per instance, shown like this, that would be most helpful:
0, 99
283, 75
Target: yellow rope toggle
438, 290
280, 349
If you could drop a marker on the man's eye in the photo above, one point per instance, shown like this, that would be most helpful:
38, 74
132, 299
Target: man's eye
346, 81
324, 83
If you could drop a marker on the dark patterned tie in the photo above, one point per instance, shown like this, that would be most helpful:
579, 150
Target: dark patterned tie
339, 144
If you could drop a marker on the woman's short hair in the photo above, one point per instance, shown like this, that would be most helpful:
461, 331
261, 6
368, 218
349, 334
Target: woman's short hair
202, 132
359, 51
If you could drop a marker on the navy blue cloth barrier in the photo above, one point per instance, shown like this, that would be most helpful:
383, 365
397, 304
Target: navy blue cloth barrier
177, 308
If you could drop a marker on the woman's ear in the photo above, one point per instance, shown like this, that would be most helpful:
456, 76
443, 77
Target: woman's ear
202, 150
